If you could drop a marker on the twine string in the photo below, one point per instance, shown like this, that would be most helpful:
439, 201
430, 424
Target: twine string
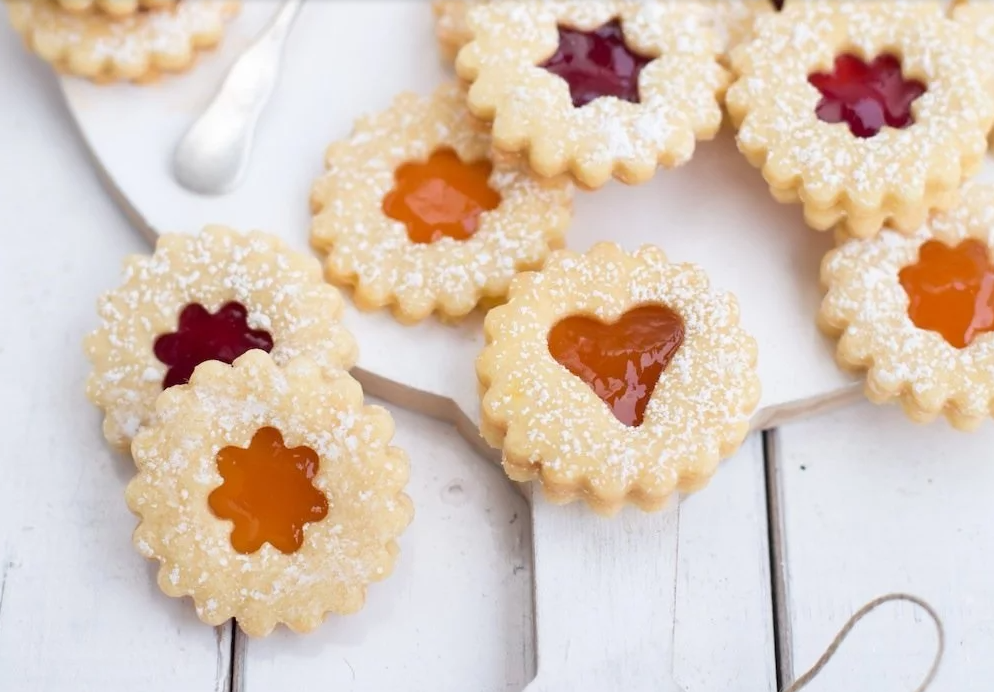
830, 652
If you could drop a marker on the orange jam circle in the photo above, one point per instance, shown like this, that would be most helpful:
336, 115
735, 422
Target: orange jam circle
620, 361
267, 493
442, 197
951, 290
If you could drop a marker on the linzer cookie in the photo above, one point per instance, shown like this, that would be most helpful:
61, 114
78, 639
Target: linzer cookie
977, 16
137, 47
616, 378
114, 8
413, 213
596, 89
212, 296
864, 112
267, 494
916, 312
451, 25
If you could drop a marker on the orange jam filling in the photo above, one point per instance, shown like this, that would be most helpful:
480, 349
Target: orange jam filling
951, 290
441, 197
620, 361
268, 493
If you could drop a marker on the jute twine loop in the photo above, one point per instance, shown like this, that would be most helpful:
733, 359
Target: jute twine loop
813, 672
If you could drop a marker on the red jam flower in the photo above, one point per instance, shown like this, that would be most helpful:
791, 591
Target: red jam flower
597, 63
866, 97
201, 336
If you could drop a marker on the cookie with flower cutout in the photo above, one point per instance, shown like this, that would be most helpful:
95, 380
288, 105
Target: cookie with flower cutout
915, 312
597, 89
452, 25
978, 17
616, 378
866, 113
269, 494
138, 47
414, 213
114, 8
212, 296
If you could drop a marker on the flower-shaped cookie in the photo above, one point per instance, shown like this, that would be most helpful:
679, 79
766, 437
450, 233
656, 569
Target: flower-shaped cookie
865, 112
115, 8
614, 378
414, 213
733, 20
268, 494
916, 311
978, 17
212, 296
599, 89
137, 47
452, 25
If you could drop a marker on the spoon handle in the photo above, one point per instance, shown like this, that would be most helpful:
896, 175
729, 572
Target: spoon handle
214, 153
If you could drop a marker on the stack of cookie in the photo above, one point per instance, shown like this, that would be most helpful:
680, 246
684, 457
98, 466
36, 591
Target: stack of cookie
266, 490
113, 40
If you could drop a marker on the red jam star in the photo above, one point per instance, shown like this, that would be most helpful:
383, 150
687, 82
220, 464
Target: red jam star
597, 63
201, 336
866, 96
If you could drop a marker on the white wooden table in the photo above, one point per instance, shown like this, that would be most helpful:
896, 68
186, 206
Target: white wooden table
796, 532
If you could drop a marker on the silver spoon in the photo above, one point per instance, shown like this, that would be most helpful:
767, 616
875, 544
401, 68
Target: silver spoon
213, 155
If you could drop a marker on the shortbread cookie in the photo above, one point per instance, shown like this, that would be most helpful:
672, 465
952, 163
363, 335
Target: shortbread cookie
414, 213
451, 25
978, 17
864, 112
733, 20
115, 8
267, 494
137, 47
597, 89
212, 296
916, 311
614, 378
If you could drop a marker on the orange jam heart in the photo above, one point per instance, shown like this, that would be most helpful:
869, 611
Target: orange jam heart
866, 96
951, 290
202, 336
597, 63
442, 197
267, 493
621, 361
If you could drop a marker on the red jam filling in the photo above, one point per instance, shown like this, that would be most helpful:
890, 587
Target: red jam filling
597, 63
951, 290
268, 493
620, 361
866, 97
442, 197
201, 336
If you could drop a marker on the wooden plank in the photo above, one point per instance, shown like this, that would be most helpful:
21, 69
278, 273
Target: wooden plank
455, 616
678, 600
79, 608
871, 504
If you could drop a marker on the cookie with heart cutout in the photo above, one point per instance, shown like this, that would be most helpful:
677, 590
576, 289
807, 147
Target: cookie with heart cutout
616, 378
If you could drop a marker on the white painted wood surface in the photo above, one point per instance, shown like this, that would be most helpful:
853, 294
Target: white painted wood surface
677, 601
716, 211
79, 609
873, 504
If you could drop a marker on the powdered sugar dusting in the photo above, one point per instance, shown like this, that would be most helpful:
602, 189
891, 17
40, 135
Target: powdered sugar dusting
95, 45
867, 307
532, 110
283, 292
895, 175
361, 475
553, 426
373, 252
